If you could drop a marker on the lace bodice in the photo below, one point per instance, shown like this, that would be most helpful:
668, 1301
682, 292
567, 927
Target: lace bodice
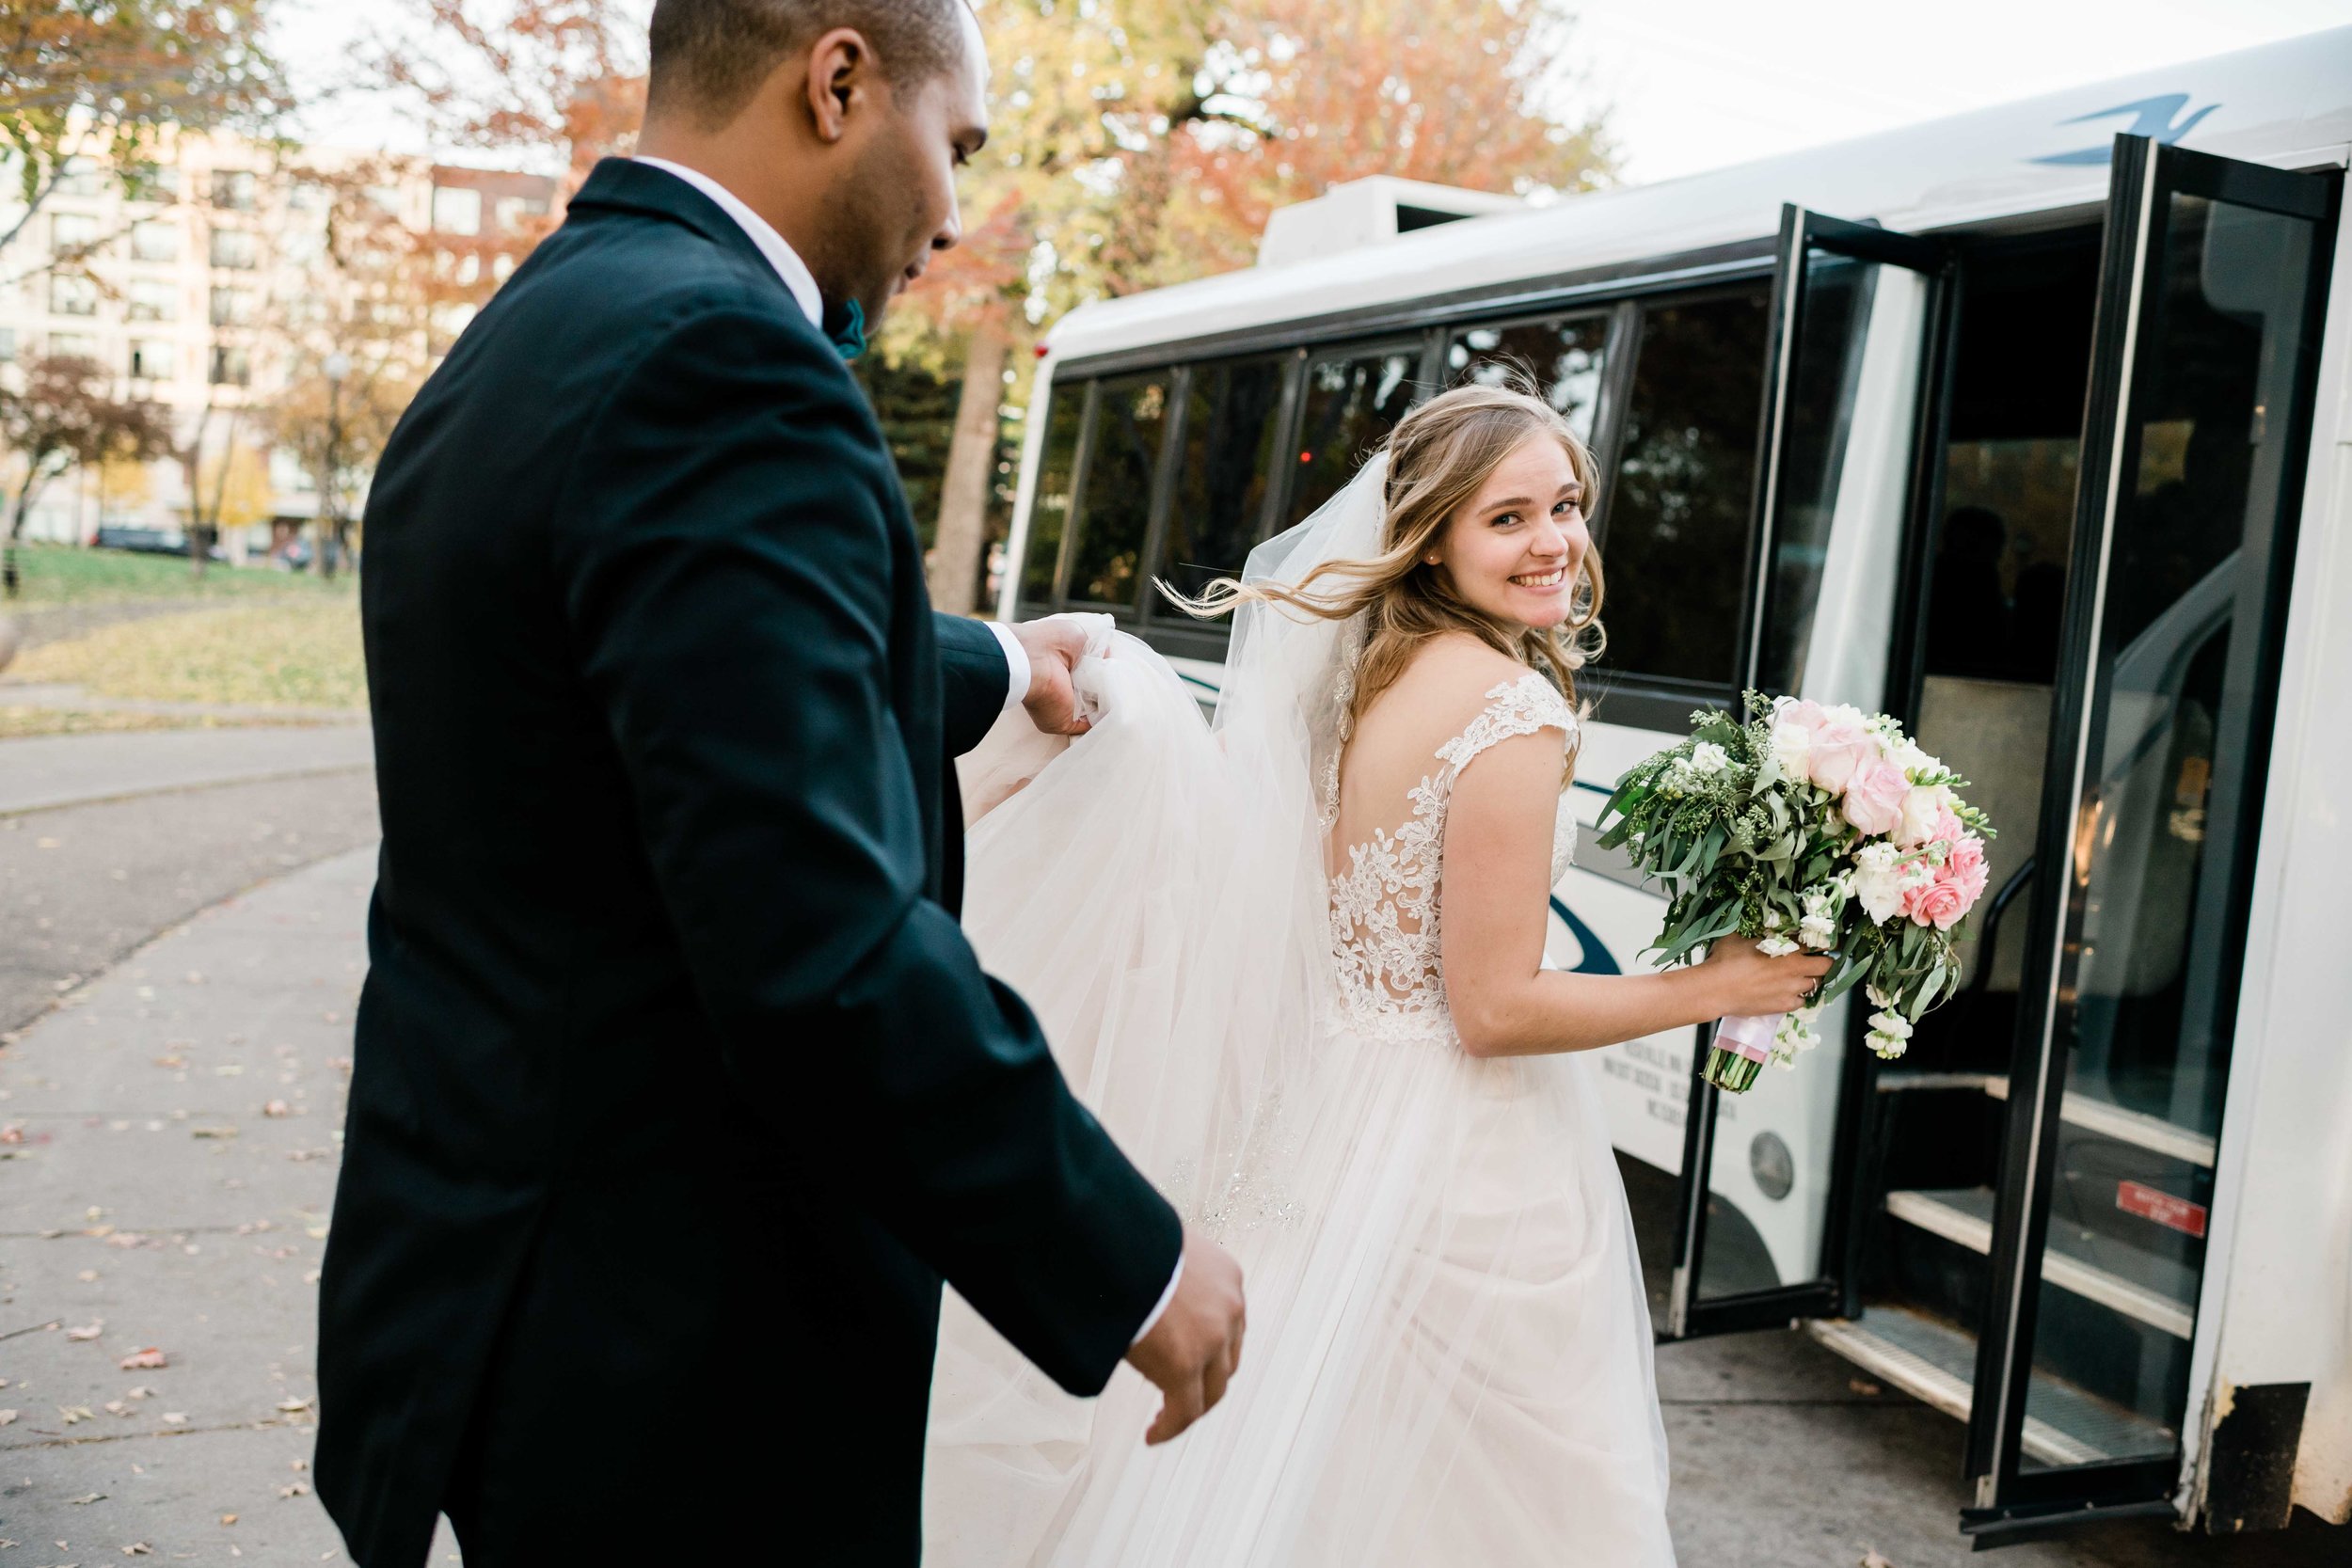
1384, 900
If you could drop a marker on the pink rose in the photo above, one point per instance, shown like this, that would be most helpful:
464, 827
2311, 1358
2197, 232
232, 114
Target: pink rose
1874, 795
1839, 747
1965, 870
1790, 711
1938, 904
1949, 828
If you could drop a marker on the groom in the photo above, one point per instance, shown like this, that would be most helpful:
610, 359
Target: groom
678, 1090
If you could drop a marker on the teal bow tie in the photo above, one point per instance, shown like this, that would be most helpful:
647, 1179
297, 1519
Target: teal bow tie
848, 330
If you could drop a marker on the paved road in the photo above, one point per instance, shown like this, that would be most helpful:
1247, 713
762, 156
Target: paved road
108, 839
68, 769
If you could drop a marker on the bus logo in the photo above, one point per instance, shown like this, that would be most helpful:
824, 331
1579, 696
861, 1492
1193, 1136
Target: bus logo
2153, 117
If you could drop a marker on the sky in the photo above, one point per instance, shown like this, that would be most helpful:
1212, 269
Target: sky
1694, 83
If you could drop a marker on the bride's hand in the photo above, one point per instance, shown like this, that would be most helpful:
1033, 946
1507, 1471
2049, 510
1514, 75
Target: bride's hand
1744, 982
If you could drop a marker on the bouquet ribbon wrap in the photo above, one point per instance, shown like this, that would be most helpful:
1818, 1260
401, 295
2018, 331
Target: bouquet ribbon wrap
1748, 1034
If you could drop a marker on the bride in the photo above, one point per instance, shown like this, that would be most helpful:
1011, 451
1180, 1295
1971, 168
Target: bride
1294, 961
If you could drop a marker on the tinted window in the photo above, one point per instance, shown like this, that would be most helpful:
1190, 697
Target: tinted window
1227, 461
1563, 354
1049, 504
1115, 511
1676, 541
1351, 405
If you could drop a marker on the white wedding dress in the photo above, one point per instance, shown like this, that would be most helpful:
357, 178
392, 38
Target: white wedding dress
1448, 1358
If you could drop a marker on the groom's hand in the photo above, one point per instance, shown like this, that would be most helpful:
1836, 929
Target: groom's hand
1192, 1351
1054, 645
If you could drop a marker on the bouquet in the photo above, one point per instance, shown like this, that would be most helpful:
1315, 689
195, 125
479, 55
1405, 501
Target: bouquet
1808, 828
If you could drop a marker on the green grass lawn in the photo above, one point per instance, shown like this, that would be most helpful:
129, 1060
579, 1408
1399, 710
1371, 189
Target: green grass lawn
298, 653
67, 575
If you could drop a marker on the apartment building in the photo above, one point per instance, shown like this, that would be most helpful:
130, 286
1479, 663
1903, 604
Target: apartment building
210, 287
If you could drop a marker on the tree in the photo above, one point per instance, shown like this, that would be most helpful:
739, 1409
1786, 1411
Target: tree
123, 482
559, 78
101, 80
335, 418
64, 416
1135, 145
1296, 96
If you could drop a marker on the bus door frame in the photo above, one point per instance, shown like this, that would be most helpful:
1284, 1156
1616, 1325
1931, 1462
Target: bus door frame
1832, 1292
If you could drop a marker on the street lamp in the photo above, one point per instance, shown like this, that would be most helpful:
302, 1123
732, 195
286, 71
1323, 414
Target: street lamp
337, 367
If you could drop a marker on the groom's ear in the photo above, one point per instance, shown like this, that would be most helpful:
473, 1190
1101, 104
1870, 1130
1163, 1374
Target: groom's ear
841, 81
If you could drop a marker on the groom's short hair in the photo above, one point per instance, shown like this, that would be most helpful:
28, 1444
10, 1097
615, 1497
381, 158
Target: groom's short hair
709, 57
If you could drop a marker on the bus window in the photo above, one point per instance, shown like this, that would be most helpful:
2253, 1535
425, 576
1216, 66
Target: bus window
1221, 481
1115, 509
1049, 508
1675, 524
1352, 404
1563, 354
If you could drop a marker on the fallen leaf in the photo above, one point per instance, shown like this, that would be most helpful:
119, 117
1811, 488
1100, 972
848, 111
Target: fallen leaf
148, 1360
174, 1060
138, 1548
1864, 1387
298, 1465
278, 1108
6, 1417
85, 1501
228, 1519
294, 1489
88, 1331
88, 1276
141, 1392
116, 1407
211, 1131
174, 1418
294, 1407
125, 1239
1872, 1559
73, 1412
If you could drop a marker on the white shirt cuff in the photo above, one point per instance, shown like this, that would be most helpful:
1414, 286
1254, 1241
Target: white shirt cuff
1016, 665
1168, 1295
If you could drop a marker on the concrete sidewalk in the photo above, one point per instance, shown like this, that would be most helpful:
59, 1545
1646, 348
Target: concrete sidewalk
67, 770
173, 1129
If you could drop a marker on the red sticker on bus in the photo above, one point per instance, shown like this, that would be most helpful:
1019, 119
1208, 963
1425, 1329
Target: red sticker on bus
2174, 1214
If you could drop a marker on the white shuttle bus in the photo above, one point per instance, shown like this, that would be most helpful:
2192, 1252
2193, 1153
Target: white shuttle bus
2033, 427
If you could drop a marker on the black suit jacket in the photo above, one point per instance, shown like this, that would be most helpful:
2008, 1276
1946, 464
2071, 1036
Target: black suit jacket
676, 1086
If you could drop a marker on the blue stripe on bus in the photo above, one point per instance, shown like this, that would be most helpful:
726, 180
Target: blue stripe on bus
1596, 957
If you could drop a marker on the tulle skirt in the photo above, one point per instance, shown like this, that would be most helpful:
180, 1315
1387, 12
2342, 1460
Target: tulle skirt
1448, 1358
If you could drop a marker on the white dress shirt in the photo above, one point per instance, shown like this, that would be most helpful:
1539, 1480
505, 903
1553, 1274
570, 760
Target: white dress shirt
803, 283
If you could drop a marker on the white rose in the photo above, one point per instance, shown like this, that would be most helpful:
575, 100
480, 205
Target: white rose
1708, 758
1792, 748
1923, 805
1912, 760
1878, 881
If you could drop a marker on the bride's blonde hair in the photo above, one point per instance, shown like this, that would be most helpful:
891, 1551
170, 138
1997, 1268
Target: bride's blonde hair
1439, 456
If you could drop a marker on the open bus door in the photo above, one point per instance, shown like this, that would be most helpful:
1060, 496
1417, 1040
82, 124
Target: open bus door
1855, 361
2204, 351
